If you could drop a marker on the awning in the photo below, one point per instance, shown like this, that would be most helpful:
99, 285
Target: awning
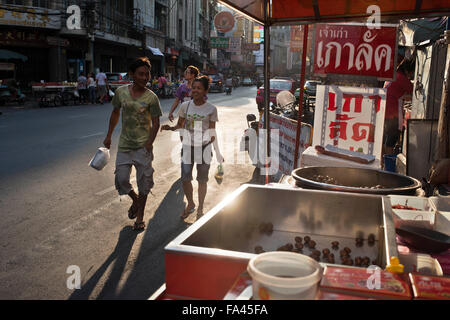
7, 55
310, 11
155, 51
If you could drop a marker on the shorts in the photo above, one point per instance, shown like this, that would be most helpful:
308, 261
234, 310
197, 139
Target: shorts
391, 133
202, 156
101, 90
141, 159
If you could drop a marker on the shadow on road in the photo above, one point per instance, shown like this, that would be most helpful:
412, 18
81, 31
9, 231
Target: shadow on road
119, 258
148, 272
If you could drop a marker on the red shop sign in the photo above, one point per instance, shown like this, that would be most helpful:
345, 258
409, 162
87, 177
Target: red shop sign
354, 49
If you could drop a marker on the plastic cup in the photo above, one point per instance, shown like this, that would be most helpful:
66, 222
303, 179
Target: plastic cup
389, 162
284, 276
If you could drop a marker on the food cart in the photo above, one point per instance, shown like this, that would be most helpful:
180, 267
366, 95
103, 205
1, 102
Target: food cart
210, 258
55, 93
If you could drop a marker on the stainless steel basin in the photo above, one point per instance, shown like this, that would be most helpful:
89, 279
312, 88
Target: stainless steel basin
356, 180
216, 248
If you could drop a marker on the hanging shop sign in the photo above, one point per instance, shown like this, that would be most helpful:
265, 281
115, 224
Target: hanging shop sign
224, 21
250, 46
350, 118
296, 40
354, 49
30, 17
219, 42
234, 45
23, 38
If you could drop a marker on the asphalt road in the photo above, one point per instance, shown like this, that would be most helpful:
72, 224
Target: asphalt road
57, 212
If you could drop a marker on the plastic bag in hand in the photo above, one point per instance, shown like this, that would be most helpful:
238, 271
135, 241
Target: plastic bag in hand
100, 159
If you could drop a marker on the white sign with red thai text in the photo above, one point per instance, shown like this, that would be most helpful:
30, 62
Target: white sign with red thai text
350, 118
354, 49
287, 132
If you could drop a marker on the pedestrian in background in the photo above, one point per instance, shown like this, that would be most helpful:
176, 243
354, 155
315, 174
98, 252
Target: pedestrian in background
91, 88
184, 90
162, 81
396, 92
102, 85
140, 124
82, 87
198, 120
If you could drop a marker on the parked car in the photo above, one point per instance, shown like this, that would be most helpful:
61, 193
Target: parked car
216, 83
247, 81
310, 89
117, 79
276, 86
117, 76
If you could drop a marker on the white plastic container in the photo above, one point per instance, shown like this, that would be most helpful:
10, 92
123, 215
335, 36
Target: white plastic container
418, 203
420, 263
442, 223
441, 204
423, 219
284, 276
100, 159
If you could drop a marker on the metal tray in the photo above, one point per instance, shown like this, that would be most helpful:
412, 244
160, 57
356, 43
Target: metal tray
217, 247
356, 180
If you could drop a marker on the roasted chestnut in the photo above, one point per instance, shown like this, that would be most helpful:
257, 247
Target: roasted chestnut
335, 245
348, 250
326, 252
358, 261
311, 244
315, 257
306, 239
298, 239
343, 253
299, 245
316, 252
289, 246
348, 262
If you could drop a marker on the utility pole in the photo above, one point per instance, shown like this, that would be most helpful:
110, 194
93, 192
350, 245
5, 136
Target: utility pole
444, 114
90, 26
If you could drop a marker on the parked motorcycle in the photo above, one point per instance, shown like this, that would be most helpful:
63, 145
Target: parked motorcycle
10, 94
228, 90
286, 106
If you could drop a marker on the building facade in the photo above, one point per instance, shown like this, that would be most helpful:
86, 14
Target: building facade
109, 35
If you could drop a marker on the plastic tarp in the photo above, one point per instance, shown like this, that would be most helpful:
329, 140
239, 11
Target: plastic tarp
309, 11
8, 55
155, 51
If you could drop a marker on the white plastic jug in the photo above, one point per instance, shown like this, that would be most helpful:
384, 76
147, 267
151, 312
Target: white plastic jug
284, 276
100, 159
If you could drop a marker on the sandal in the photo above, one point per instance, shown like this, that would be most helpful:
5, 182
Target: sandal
186, 213
200, 213
132, 212
138, 226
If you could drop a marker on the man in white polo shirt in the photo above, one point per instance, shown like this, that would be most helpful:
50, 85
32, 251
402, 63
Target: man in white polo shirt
102, 85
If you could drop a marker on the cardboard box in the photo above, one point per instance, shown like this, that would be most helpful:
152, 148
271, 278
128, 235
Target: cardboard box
365, 282
323, 295
429, 287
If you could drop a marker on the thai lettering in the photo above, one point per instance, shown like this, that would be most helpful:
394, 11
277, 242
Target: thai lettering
347, 100
339, 127
336, 51
330, 46
366, 51
383, 51
360, 135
